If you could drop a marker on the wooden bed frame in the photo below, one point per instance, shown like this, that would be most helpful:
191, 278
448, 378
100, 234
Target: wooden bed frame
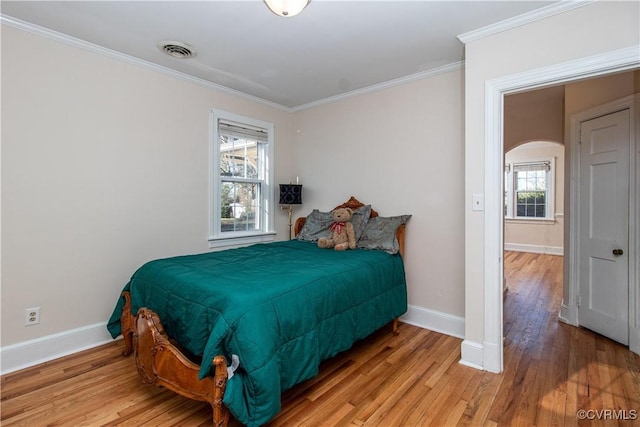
162, 363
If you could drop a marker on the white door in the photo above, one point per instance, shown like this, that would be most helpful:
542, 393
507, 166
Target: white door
604, 226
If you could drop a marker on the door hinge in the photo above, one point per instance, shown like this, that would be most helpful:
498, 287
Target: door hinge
578, 300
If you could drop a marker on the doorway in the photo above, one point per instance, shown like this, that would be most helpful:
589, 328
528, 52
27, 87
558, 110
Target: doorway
534, 198
534, 190
596, 66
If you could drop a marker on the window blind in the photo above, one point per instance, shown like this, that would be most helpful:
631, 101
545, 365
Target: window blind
524, 167
242, 131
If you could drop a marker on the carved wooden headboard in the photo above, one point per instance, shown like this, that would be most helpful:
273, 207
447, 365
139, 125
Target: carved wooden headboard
354, 204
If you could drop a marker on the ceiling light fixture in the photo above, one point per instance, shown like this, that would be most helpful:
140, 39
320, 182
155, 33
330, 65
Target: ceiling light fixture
287, 8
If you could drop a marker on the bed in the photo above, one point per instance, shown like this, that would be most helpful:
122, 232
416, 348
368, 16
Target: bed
236, 328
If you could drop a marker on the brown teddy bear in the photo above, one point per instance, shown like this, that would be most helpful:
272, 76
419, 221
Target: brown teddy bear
342, 234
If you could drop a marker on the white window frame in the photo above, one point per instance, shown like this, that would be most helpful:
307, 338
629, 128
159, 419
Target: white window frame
266, 232
509, 180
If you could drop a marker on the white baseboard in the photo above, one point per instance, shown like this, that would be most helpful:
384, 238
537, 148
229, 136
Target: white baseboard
492, 357
535, 249
435, 321
568, 314
634, 340
472, 354
30, 353
33, 352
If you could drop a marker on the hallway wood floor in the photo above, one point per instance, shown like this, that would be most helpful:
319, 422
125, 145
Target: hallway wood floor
552, 372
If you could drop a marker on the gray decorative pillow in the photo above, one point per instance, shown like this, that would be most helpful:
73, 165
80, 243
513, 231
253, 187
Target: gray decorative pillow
318, 223
316, 226
359, 220
380, 233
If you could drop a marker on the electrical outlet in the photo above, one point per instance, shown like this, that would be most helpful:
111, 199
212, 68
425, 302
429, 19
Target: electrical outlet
31, 316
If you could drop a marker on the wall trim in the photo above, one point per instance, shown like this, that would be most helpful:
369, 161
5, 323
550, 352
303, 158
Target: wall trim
592, 66
436, 321
34, 352
523, 19
535, 249
568, 313
472, 354
384, 85
100, 50
94, 48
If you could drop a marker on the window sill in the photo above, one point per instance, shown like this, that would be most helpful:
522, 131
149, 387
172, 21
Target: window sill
538, 221
227, 242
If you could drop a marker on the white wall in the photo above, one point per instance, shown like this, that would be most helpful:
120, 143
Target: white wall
539, 236
400, 149
94, 183
592, 29
104, 166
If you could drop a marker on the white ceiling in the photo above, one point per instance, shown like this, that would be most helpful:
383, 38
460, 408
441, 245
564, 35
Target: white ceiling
331, 48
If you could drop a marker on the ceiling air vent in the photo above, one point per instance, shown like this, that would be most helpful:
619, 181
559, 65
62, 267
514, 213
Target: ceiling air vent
177, 50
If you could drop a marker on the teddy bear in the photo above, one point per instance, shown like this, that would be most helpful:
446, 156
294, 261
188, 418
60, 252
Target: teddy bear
342, 235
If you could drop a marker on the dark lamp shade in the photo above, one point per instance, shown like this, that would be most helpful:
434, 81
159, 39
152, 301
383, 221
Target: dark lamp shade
290, 194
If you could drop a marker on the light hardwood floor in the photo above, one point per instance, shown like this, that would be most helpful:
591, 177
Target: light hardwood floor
552, 371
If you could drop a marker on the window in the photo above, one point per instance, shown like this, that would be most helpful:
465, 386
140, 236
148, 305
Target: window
528, 192
241, 179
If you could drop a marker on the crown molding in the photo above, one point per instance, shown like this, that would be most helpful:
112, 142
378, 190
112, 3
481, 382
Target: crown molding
91, 47
94, 48
384, 85
520, 20
470, 36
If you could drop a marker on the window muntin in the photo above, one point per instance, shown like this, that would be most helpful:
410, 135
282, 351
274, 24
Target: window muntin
242, 199
528, 192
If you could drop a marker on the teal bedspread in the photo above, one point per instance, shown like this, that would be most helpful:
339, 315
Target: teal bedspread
281, 307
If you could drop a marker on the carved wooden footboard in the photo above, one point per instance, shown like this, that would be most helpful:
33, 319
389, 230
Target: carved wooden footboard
161, 363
